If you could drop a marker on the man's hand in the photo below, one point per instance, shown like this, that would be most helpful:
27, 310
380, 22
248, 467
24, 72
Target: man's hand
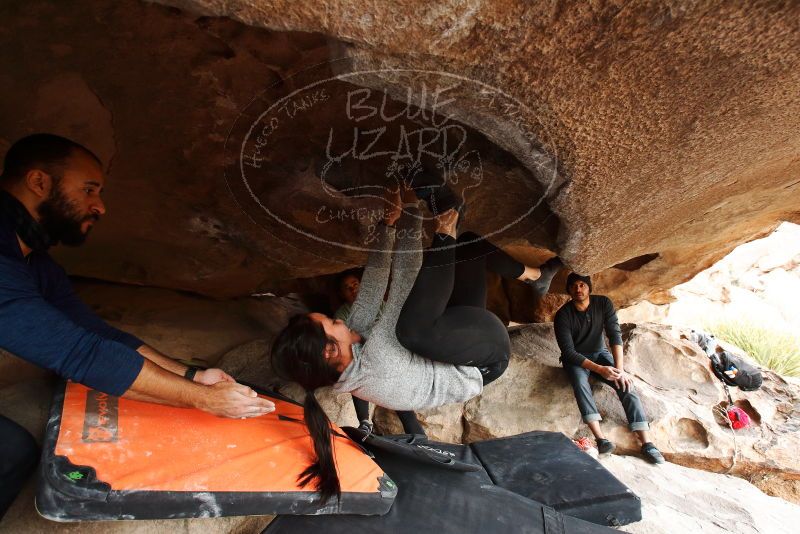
609, 372
237, 401
624, 382
209, 377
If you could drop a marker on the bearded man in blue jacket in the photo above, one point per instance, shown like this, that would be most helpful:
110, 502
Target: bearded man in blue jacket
51, 192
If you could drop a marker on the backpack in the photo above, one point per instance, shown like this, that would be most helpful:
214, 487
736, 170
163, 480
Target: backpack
734, 371
728, 367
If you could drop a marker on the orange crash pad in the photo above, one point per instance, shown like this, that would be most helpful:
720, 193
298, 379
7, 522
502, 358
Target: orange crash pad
112, 458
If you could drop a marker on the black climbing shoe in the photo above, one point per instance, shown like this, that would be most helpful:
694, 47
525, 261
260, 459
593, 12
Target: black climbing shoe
443, 199
548, 269
604, 446
365, 428
652, 454
436, 194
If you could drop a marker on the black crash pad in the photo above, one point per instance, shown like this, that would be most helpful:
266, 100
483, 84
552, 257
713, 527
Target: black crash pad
547, 467
415, 447
432, 500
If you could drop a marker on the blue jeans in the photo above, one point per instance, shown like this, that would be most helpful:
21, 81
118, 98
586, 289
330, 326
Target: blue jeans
579, 378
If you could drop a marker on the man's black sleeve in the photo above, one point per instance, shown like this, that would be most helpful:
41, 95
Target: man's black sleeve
561, 325
611, 323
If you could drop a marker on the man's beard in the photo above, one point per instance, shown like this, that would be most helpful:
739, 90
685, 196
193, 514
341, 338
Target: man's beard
61, 219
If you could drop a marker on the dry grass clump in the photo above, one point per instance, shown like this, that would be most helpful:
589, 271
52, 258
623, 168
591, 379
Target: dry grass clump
771, 348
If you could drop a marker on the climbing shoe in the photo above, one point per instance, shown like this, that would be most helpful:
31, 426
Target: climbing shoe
548, 269
365, 429
652, 454
435, 192
604, 446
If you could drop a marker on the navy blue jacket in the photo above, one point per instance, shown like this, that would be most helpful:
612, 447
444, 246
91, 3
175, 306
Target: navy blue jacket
43, 321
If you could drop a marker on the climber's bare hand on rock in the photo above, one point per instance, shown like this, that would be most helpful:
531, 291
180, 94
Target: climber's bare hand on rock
409, 196
394, 207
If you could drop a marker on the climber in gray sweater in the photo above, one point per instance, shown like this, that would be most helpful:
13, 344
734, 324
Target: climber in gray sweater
434, 343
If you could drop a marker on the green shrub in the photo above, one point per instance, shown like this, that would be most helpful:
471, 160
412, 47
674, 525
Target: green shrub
774, 349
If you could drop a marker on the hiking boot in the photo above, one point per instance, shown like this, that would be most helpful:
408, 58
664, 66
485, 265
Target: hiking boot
652, 454
548, 269
605, 447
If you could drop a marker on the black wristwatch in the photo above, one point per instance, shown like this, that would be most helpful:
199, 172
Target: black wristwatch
190, 372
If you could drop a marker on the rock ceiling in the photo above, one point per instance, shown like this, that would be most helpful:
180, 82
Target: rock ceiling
649, 136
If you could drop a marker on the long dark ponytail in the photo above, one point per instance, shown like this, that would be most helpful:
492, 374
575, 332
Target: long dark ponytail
298, 355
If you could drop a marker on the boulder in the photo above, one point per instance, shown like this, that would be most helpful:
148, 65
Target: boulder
187, 326
682, 499
607, 101
680, 395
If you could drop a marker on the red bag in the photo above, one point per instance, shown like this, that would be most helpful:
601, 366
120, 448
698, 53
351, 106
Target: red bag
738, 417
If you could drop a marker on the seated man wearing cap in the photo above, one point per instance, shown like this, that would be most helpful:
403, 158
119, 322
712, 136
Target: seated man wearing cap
579, 326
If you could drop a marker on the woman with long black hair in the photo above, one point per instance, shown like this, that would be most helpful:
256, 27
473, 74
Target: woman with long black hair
434, 344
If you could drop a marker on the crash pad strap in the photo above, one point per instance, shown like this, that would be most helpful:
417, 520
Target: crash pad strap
553, 521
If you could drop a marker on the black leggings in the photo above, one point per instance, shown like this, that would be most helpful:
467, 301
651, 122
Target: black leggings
408, 419
445, 318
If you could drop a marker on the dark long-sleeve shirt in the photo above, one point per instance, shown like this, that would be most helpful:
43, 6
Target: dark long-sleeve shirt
43, 321
579, 333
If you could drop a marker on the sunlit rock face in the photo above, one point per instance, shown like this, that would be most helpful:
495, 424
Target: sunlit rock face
640, 141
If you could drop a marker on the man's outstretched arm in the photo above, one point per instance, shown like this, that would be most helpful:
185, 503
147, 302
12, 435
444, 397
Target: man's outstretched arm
203, 376
67, 301
224, 399
35, 331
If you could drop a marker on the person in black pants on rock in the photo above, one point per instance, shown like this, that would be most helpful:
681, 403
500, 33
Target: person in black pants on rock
445, 329
579, 326
429, 325
434, 344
